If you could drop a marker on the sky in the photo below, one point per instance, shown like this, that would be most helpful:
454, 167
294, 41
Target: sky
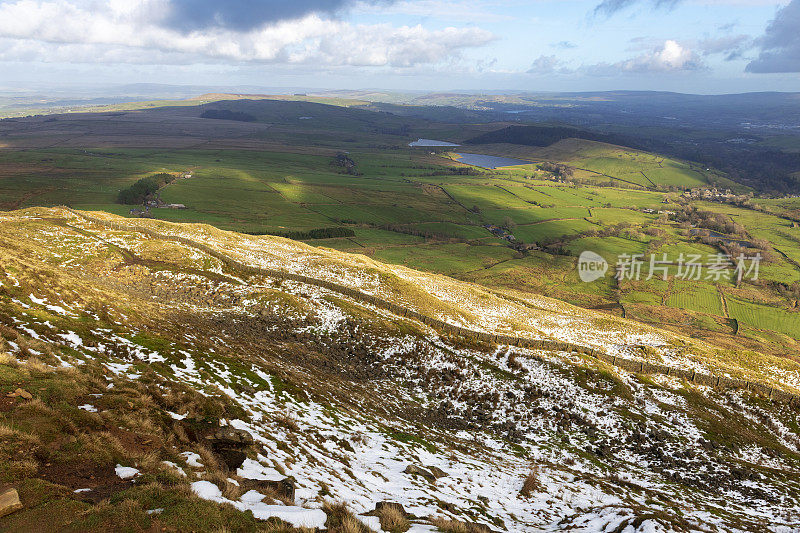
690, 46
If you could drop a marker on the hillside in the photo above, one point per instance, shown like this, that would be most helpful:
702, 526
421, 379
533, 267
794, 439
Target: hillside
422, 209
601, 162
190, 378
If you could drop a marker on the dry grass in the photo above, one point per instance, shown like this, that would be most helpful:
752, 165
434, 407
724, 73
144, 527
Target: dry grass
8, 432
277, 528
127, 515
532, 483
341, 520
230, 490
34, 365
288, 421
392, 520
449, 526
104, 447
210, 461
37, 406
455, 526
22, 468
138, 423
150, 461
8, 360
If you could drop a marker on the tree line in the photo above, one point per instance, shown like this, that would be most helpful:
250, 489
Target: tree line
319, 233
144, 189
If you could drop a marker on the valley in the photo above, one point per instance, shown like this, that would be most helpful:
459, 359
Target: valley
424, 208
426, 356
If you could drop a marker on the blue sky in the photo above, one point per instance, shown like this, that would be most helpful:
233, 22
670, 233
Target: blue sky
699, 46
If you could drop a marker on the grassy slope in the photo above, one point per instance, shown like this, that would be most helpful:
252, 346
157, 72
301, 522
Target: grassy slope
268, 357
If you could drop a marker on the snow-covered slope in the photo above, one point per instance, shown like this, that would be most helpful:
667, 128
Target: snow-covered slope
358, 405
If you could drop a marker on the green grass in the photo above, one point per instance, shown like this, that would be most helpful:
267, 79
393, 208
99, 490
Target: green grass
446, 258
765, 317
552, 230
700, 297
608, 247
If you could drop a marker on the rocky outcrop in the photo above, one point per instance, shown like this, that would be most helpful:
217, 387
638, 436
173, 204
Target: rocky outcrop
380, 506
9, 502
284, 489
228, 444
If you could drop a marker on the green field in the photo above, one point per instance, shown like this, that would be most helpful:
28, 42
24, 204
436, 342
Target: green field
700, 297
411, 207
765, 317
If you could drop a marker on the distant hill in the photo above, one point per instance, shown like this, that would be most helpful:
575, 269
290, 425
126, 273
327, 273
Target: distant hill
547, 135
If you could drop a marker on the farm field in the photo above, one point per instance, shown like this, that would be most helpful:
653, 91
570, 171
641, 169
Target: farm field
516, 229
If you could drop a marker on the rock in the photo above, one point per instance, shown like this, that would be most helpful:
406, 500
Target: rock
198, 429
9, 502
417, 471
390, 505
284, 488
436, 471
227, 443
228, 437
22, 393
232, 458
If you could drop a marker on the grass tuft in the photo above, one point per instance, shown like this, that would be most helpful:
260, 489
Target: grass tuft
392, 520
532, 483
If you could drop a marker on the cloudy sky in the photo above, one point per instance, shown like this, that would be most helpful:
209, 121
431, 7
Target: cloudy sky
700, 46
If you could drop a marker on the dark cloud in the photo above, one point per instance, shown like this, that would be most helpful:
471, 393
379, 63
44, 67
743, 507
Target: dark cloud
188, 15
780, 45
732, 45
610, 7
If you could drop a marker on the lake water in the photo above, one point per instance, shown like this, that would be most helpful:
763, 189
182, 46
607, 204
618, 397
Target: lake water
431, 142
490, 161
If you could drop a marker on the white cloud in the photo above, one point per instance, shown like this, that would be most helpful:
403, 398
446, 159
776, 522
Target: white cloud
671, 56
128, 31
545, 65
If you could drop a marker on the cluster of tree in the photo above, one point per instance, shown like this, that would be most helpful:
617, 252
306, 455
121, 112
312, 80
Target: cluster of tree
735, 249
319, 233
451, 171
791, 291
346, 163
411, 230
691, 216
144, 189
561, 170
227, 114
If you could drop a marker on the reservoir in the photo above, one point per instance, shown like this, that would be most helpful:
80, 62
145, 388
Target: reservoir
431, 142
